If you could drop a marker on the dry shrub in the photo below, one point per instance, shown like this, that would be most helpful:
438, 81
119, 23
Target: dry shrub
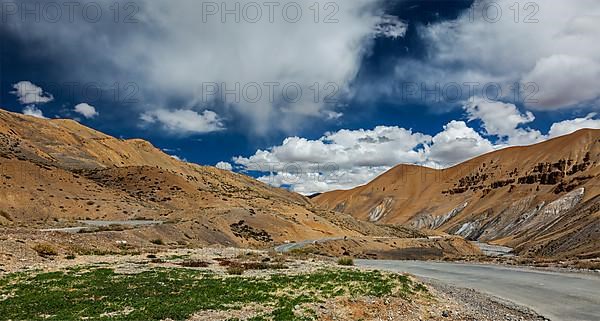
235, 270
252, 265
157, 242
45, 250
194, 263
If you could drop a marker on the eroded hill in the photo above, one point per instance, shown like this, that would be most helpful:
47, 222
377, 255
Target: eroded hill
541, 199
55, 173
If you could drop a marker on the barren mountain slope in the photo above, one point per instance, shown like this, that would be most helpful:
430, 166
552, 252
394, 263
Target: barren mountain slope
56, 172
516, 196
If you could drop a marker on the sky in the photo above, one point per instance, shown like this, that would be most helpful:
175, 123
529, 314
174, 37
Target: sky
308, 95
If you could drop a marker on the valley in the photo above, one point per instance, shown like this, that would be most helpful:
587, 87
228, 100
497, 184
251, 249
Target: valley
76, 203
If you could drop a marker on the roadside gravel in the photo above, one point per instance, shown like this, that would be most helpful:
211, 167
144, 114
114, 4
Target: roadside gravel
468, 304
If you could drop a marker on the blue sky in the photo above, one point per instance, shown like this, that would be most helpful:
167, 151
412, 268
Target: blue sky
150, 70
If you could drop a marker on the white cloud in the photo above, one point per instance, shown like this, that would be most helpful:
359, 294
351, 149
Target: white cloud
391, 27
565, 81
332, 115
503, 120
224, 166
308, 182
569, 126
31, 110
559, 53
29, 93
86, 110
184, 121
346, 149
178, 158
338, 160
456, 143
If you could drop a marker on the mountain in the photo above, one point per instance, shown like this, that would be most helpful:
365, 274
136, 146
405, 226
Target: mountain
541, 199
56, 173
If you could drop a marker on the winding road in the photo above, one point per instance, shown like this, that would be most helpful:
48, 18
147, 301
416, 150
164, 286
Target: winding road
559, 296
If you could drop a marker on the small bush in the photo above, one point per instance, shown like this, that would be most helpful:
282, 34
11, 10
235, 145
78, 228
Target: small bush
151, 256
235, 270
195, 263
70, 257
345, 261
421, 288
45, 250
157, 242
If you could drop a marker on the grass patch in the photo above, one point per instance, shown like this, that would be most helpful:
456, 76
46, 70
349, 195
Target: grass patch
345, 261
178, 257
235, 270
96, 293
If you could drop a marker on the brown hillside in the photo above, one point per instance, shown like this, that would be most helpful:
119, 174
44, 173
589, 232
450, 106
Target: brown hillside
55, 173
523, 197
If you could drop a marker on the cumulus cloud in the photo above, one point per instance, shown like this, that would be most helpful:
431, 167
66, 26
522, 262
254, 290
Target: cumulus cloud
29, 93
31, 110
86, 110
184, 121
338, 160
503, 120
224, 166
456, 143
569, 126
344, 149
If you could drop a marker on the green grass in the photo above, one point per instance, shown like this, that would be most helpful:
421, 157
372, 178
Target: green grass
345, 261
92, 293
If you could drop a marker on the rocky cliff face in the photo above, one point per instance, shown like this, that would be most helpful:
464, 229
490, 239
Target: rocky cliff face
507, 196
433, 222
538, 218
